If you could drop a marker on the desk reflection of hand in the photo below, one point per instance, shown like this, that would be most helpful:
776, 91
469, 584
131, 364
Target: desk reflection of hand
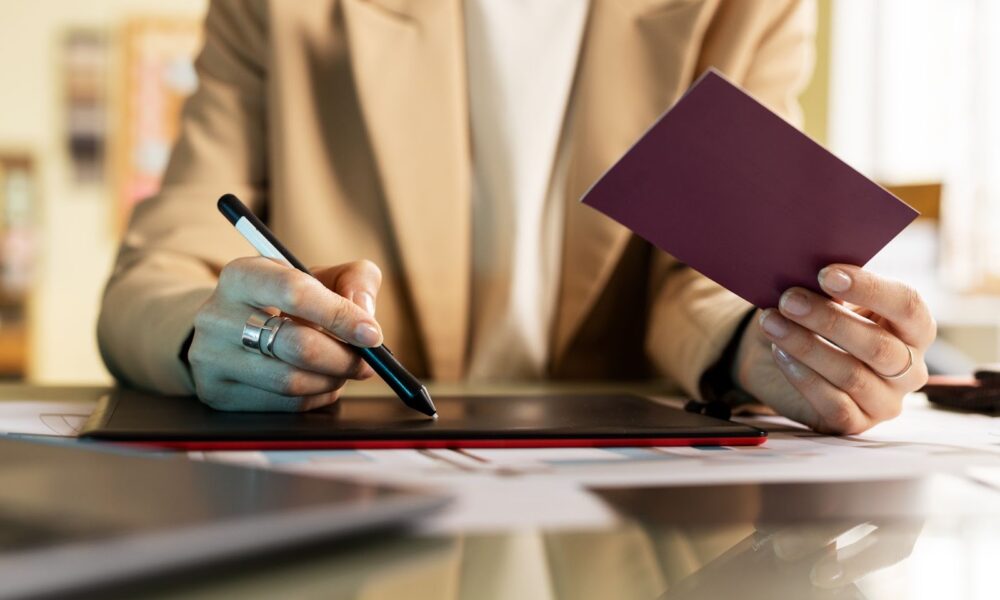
883, 545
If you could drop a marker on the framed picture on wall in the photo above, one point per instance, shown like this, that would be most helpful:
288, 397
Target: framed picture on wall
86, 58
157, 74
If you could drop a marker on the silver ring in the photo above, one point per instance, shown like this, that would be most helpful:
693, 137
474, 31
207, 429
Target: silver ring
906, 369
267, 348
252, 330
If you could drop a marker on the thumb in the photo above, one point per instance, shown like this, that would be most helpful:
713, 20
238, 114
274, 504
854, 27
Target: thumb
358, 281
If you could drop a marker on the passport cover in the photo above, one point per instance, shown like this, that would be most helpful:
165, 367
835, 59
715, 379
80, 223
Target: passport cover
729, 188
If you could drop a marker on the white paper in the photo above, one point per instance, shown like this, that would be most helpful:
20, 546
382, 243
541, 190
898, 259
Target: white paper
989, 476
63, 419
547, 487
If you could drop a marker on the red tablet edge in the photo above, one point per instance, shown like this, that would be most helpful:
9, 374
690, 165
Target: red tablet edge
210, 445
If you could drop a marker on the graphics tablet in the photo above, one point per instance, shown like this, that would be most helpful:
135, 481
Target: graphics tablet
75, 516
565, 420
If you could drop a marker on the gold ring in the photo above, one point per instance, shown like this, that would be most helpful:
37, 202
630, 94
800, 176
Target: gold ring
906, 369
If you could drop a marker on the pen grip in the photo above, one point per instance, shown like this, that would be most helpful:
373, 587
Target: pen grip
380, 359
390, 370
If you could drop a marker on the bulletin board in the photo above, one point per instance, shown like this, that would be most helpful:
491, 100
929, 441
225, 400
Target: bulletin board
157, 66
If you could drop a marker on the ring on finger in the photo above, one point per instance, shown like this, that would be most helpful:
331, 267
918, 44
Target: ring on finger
253, 328
267, 348
905, 370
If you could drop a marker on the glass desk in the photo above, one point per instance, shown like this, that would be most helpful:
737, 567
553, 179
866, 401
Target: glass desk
937, 537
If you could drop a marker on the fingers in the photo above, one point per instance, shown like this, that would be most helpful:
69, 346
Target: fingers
271, 386
836, 411
213, 359
232, 396
358, 281
309, 366
262, 283
873, 345
885, 546
876, 547
307, 348
800, 541
852, 358
898, 303
846, 373
278, 377
229, 378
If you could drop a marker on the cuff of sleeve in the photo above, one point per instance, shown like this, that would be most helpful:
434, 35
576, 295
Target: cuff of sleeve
712, 346
696, 339
716, 384
168, 326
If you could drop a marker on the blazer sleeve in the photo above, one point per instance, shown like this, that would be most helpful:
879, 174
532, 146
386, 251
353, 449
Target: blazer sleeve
768, 48
176, 242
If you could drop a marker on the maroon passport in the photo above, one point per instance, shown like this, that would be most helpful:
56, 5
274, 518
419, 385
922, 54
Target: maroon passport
732, 190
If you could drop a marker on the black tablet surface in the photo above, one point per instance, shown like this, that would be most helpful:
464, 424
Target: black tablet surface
562, 420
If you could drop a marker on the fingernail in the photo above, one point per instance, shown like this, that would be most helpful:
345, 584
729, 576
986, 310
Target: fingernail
366, 301
834, 280
827, 574
773, 323
794, 303
789, 364
366, 335
781, 354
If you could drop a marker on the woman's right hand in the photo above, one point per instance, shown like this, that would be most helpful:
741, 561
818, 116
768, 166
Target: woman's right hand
311, 366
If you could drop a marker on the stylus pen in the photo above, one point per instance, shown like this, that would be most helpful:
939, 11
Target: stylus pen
407, 387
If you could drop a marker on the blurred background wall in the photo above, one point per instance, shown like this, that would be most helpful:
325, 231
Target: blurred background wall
904, 90
76, 198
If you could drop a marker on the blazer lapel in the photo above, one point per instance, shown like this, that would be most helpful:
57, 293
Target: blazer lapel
408, 59
637, 58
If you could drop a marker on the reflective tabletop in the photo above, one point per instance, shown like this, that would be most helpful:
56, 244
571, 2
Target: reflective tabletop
935, 537
904, 538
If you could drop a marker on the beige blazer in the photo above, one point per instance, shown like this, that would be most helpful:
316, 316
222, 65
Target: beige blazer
346, 123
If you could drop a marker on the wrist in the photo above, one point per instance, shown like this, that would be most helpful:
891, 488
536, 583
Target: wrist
720, 383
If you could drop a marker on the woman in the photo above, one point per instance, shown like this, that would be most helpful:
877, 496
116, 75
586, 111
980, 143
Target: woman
435, 152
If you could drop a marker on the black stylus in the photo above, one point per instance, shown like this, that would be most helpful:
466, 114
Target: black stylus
407, 387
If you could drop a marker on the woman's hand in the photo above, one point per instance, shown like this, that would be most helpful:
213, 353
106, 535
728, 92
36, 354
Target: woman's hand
839, 366
310, 366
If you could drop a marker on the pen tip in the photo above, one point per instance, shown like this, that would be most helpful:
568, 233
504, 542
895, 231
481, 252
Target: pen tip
427, 406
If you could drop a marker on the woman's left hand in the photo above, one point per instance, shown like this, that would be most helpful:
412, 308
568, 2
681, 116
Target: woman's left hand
842, 365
